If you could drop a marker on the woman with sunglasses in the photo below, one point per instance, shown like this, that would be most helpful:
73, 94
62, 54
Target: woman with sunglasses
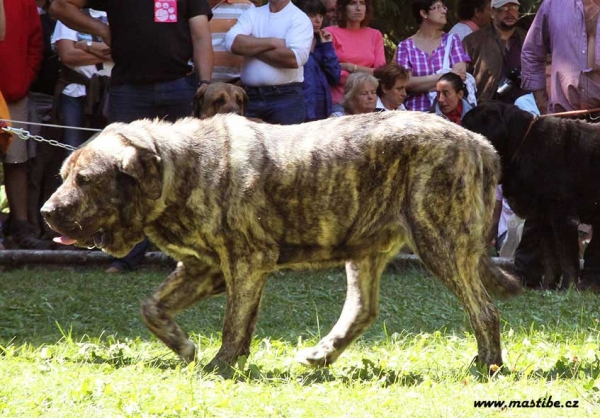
424, 52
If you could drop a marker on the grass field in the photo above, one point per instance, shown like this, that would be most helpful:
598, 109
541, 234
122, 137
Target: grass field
72, 344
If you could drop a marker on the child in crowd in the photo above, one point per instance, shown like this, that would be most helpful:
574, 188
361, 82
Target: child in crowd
322, 68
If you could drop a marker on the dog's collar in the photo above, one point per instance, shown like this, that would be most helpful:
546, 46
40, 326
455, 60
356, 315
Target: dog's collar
533, 120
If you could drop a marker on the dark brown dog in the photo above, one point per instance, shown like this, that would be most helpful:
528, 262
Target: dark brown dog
550, 171
220, 98
234, 200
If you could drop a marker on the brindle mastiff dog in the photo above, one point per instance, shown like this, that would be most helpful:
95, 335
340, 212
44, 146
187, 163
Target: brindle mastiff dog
220, 98
234, 200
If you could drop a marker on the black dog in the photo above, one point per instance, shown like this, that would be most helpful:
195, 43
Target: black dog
550, 174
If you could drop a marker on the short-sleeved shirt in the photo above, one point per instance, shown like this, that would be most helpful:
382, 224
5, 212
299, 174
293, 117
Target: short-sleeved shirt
145, 51
420, 63
362, 47
289, 23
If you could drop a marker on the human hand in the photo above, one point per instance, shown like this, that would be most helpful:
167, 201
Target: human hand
325, 36
105, 35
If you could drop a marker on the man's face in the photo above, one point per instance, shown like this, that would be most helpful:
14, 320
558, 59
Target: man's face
506, 17
330, 12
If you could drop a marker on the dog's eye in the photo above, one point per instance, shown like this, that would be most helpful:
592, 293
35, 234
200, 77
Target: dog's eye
219, 102
82, 179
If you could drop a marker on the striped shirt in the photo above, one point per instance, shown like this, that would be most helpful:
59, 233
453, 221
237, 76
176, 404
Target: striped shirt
227, 66
420, 63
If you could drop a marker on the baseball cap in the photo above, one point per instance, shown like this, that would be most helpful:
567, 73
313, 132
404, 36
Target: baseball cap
499, 3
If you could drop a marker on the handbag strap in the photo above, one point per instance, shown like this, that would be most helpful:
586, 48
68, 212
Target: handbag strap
446, 62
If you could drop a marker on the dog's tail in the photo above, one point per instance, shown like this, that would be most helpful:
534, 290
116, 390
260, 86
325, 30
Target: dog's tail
498, 281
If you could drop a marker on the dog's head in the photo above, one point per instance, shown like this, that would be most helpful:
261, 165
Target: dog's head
503, 124
108, 190
220, 98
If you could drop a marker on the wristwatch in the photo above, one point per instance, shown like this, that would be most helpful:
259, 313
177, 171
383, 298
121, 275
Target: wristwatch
88, 46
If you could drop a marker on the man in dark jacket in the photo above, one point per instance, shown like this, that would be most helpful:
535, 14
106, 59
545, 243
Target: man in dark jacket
495, 52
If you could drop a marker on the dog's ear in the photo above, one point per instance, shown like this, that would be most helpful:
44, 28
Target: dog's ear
145, 166
244, 102
198, 102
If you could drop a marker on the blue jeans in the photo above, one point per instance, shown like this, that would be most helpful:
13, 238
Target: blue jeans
283, 104
72, 111
170, 100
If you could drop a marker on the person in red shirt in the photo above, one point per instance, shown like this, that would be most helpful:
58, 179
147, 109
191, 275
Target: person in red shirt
21, 52
450, 102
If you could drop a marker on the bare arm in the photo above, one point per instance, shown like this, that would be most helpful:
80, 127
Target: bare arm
69, 12
279, 57
2, 21
353, 68
249, 46
74, 54
422, 84
202, 42
460, 68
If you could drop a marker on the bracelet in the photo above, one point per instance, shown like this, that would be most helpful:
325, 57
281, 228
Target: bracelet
203, 82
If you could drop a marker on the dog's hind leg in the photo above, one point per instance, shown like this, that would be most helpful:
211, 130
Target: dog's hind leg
359, 312
460, 272
187, 284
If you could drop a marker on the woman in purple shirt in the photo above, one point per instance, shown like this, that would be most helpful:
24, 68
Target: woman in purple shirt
423, 53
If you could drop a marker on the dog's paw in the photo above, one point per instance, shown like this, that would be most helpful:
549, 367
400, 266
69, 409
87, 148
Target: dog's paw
188, 352
317, 356
219, 367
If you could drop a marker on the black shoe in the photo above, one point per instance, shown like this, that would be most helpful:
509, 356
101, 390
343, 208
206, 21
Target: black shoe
23, 236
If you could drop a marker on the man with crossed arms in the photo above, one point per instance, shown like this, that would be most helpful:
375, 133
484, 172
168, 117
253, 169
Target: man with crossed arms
275, 41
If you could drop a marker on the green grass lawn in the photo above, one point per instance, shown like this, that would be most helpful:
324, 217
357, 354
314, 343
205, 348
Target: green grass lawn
72, 344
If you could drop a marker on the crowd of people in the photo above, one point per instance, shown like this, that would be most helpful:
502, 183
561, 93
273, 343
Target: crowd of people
85, 63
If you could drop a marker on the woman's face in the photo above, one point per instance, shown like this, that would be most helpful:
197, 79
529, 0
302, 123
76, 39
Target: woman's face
365, 99
317, 21
356, 10
397, 93
447, 97
437, 13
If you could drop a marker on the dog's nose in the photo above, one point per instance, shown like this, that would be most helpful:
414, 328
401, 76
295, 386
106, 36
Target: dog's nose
49, 211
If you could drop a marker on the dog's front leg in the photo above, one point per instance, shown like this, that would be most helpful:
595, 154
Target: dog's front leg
244, 293
567, 246
359, 312
188, 283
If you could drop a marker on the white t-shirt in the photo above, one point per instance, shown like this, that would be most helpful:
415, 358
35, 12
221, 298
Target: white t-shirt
290, 24
61, 31
380, 105
461, 29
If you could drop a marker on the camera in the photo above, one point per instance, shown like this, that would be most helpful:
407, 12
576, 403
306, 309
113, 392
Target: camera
512, 80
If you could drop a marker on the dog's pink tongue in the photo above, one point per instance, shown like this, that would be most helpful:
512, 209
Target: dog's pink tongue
64, 240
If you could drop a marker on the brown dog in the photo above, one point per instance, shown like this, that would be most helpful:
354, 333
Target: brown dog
220, 98
235, 200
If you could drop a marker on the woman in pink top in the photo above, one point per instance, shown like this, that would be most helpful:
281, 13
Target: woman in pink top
423, 53
358, 47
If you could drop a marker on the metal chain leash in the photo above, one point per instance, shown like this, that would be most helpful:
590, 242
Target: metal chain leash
25, 135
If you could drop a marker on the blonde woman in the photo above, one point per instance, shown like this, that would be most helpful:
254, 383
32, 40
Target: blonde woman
360, 95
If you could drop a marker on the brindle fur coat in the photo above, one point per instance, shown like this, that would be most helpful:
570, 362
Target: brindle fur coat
234, 200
